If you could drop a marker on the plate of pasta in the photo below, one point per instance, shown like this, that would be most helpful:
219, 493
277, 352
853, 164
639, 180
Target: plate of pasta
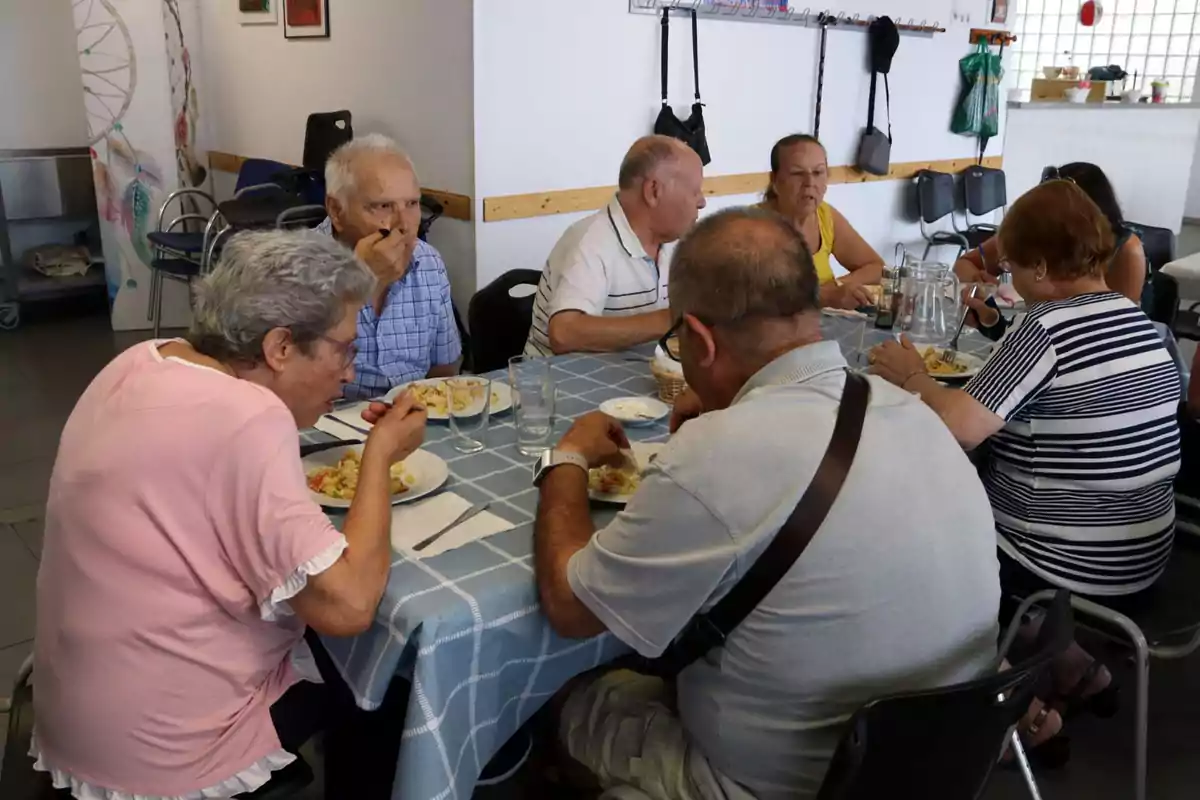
332, 476
964, 365
619, 484
432, 394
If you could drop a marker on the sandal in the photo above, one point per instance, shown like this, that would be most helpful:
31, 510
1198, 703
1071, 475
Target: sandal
1044, 749
1104, 703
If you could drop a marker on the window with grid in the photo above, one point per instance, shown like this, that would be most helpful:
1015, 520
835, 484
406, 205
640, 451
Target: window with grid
1160, 39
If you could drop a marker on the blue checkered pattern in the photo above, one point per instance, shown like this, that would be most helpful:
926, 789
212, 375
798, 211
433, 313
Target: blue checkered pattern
415, 332
464, 626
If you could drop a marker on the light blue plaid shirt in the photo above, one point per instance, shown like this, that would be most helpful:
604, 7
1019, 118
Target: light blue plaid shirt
415, 332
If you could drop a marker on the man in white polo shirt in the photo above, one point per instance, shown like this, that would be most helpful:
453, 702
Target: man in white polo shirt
604, 287
897, 591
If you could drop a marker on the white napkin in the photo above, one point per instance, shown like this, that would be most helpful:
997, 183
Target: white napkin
415, 522
352, 416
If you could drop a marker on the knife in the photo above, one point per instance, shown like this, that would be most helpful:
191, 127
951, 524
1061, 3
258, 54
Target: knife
459, 520
332, 418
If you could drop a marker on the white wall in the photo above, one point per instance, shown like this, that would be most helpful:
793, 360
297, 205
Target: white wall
402, 67
560, 113
41, 95
1146, 153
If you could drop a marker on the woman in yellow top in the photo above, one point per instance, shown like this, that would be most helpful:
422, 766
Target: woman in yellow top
799, 178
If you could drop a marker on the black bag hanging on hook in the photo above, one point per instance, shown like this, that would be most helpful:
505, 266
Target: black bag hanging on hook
875, 149
690, 130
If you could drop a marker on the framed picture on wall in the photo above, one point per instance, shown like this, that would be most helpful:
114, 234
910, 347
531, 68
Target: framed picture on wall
258, 12
306, 19
999, 11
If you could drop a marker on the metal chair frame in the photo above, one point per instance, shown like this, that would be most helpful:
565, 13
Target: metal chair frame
1143, 651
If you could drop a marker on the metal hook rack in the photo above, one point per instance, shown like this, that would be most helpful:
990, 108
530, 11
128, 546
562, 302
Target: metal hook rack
777, 12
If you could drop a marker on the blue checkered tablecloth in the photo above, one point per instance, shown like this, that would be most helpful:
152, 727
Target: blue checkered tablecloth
464, 626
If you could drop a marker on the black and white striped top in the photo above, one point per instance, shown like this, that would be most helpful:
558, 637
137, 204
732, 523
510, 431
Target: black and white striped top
1081, 475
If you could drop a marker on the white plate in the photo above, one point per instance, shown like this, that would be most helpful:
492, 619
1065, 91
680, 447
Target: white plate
642, 451
427, 471
972, 363
501, 397
636, 412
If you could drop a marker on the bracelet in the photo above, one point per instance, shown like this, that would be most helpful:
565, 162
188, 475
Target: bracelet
912, 375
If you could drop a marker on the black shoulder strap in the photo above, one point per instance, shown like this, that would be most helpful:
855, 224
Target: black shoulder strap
871, 103
696, 54
887, 99
666, 33
707, 631
820, 76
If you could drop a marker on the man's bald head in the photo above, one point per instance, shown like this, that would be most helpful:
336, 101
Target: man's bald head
743, 264
648, 155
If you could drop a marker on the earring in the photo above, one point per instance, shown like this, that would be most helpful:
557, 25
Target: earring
1040, 276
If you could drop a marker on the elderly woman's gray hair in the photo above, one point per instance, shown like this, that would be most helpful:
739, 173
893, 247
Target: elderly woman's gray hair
339, 169
299, 280
743, 264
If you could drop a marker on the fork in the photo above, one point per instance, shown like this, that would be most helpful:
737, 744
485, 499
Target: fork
951, 352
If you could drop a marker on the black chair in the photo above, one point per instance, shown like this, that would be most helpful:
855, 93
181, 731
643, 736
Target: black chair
431, 211
1167, 627
935, 200
20, 781
943, 743
323, 133
984, 191
1187, 482
500, 320
1158, 244
1160, 299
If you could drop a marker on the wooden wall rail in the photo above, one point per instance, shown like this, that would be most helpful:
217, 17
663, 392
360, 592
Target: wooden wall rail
458, 206
566, 201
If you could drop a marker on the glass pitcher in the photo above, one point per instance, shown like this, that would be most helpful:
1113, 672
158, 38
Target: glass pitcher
933, 303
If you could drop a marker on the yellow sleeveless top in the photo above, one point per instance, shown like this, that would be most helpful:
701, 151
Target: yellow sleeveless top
821, 257
825, 228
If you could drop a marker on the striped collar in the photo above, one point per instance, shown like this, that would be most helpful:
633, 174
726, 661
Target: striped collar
625, 234
796, 366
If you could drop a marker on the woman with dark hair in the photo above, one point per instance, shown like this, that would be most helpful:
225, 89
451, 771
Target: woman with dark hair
799, 178
1126, 269
1078, 402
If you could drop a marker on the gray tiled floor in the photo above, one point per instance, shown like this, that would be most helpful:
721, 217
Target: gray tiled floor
45, 366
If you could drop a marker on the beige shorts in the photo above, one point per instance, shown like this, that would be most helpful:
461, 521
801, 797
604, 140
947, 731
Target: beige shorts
620, 727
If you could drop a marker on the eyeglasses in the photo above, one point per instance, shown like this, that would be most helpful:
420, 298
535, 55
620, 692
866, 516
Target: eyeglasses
1055, 174
666, 338
348, 350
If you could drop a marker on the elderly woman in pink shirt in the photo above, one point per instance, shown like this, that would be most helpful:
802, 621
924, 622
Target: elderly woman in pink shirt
183, 555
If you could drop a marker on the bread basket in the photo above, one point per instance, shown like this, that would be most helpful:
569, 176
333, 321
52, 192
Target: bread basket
668, 373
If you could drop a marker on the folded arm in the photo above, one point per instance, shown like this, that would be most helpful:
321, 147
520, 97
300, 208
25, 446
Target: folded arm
576, 331
852, 252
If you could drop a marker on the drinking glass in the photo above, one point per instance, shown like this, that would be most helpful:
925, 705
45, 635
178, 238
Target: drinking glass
469, 423
532, 386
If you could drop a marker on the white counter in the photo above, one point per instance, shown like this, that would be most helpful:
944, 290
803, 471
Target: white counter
1108, 104
1145, 149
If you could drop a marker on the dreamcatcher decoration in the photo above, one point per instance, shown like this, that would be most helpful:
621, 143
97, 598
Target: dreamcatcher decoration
126, 178
184, 101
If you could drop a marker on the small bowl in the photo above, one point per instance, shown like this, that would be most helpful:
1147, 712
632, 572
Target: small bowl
1052, 73
1132, 96
1070, 73
1078, 95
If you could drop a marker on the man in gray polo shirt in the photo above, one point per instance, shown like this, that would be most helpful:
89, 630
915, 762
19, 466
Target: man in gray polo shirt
897, 591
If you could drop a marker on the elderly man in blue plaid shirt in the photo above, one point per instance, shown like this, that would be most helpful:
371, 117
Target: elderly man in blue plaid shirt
407, 331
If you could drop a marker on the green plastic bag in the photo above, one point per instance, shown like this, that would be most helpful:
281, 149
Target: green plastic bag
978, 110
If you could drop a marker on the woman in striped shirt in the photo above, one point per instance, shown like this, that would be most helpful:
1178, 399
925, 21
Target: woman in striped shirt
1078, 403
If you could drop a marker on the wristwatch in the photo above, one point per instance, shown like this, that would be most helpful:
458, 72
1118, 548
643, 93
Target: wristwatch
555, 458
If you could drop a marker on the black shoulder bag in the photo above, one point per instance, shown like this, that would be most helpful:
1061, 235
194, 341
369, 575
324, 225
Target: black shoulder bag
690, 130
709, 630
875, 149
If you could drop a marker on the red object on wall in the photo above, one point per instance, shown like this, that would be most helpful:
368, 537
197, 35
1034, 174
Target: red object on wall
304, 13
1090, 13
